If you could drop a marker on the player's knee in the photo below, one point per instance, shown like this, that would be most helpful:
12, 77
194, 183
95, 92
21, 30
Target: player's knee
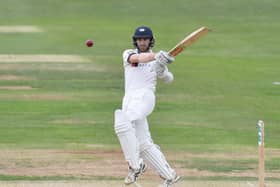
122, 122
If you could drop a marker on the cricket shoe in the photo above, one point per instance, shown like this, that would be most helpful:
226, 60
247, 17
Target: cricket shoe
134, 174
169, 182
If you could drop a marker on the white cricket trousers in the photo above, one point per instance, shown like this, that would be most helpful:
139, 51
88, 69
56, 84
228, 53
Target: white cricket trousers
137, 105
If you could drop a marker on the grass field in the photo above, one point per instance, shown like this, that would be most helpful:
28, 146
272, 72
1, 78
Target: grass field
56, 117
116, 183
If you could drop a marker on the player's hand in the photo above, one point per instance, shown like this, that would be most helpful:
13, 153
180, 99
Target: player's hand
159, 68
162, 57
164, 74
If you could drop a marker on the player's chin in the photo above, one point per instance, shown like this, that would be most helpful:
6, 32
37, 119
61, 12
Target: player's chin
143, 48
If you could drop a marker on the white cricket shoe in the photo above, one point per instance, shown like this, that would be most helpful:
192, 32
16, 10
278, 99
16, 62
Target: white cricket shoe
134, 174
169, 182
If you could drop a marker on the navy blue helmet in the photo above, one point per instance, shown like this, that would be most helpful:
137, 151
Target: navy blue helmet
143, 32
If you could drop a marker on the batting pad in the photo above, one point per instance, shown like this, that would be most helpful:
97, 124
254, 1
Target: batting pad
156, 159
127, 138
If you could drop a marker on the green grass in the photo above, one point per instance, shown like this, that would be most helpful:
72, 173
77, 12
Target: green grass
53, 178
273, 164
220, 165
223, 83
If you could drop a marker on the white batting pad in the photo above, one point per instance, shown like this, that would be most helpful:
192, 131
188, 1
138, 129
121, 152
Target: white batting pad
156, 159
127, 138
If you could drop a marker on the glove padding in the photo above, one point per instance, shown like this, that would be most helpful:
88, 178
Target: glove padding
163, 58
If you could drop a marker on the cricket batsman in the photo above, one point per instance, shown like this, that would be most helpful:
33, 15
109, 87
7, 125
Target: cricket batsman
142, 68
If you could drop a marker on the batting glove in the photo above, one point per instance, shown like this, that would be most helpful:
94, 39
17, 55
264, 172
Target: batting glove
163, 58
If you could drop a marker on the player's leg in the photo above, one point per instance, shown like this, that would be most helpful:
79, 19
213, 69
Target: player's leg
134, 107
151, 153
126, 134
157, 160
125, 131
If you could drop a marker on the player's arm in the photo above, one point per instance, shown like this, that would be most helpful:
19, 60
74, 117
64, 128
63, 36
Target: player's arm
161, 57
162, 60
141, 58
165, 75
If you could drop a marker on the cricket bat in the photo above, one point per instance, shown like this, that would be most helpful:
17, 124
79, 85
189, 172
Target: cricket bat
187, 41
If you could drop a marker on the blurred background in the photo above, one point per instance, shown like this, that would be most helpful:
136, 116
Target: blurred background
58, 96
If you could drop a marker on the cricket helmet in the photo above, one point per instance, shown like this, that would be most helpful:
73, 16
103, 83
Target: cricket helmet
143, 32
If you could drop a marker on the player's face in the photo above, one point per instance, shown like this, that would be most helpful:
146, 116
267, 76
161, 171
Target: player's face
143, 44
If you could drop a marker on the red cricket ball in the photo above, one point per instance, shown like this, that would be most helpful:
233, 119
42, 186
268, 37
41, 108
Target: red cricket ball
89, 43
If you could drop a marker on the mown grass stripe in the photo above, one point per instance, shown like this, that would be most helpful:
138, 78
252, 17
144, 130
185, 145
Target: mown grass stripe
20, 29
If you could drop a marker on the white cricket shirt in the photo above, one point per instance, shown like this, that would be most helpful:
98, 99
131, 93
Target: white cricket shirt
138, 75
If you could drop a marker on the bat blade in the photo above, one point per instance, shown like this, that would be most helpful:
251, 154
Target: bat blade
187, 41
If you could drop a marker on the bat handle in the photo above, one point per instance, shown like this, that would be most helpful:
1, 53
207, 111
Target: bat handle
174, 53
